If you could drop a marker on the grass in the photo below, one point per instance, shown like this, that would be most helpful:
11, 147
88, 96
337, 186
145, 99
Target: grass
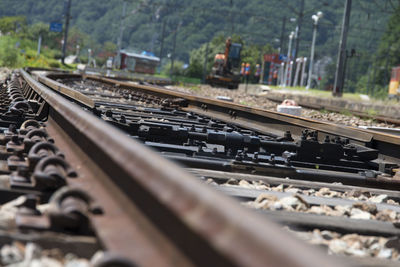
346, 113
186, 80
372, 112
25, 54
319, 93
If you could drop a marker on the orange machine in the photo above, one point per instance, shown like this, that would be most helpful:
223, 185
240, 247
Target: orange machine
226, 69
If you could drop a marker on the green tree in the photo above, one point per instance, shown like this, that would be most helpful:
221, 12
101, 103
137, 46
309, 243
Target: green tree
12, 24
9, 54
251, 54
177, 70
377, 77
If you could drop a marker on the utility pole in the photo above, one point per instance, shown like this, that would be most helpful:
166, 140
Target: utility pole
205, 63
303, 71
171, 71
339, 76
310, 68
299, 24
282, 41
286, 79
67, 17
232, 19
315, 18
39, 44
387, 73
162, 41
121, 33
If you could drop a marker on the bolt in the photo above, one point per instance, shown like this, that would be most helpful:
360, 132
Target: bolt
314, 136
303, 135
239, 156
272, 159
15, 139
255, 157
12, 128
22, 171
122, 119
109, 113
288, 135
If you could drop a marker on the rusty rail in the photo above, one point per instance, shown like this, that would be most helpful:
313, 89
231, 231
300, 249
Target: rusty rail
155, 213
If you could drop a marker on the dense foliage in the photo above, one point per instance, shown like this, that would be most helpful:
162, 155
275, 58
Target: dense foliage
96, 24
256, 21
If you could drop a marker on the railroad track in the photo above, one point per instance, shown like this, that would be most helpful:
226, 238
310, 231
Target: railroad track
338, 109
338, 185
214, 139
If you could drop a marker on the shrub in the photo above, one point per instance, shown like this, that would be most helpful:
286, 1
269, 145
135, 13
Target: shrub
9, 55
54, 64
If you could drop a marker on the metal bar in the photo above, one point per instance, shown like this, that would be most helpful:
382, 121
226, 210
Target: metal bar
66, 91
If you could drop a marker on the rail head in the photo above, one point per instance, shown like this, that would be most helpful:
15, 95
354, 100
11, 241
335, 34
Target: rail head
223, 229
66, 91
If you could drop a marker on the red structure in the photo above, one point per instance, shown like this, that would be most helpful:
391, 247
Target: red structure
270, 64
138, 62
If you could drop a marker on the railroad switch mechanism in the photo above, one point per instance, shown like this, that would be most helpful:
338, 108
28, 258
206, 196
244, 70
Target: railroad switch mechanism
199, 141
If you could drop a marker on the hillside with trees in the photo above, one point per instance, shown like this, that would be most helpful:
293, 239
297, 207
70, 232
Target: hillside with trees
96, 25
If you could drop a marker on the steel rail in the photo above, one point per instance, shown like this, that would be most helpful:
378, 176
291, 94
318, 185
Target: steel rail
68, 92
202, 226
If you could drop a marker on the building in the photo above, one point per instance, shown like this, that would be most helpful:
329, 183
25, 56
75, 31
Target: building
138, 62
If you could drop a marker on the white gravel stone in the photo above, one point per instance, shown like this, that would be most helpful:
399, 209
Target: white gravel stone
356, 252
277, 206
385, 253
359, 214
32, 251
10, 254
291, 110
45, 262
378, 198
292, 190
290, 202
78, 263
337, 246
